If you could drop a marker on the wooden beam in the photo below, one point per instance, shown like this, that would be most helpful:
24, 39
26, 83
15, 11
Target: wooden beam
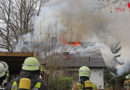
20, 54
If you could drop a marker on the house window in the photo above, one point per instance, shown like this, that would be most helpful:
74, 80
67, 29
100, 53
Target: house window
100, 74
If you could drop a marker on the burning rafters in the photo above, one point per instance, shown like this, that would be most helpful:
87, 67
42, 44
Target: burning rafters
75, 43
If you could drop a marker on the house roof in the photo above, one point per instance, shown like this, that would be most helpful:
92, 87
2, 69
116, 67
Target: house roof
92, 58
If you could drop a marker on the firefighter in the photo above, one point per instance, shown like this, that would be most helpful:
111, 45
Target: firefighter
4, 73
84, 83
127, 82
31, 70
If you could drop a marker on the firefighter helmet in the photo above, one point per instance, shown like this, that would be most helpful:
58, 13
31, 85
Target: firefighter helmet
84, 71
31, 64
126, 77
3, 68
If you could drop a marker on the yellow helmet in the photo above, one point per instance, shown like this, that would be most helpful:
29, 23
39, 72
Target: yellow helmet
31, 64
3, 68
127, 77
84, 71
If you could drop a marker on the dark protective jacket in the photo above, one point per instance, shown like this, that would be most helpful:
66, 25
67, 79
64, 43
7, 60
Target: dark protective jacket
2, 85
32, 75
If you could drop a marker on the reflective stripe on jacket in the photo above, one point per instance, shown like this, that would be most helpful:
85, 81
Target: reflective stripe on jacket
15, 86
1, 88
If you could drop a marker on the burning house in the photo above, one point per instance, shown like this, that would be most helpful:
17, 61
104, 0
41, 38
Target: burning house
85, 54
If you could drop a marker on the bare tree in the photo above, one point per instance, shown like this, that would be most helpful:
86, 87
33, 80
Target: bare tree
113, 3
16, 19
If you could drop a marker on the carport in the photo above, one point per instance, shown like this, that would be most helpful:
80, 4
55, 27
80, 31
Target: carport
14, 60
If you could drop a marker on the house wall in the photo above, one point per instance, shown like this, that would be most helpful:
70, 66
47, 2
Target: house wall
97, 77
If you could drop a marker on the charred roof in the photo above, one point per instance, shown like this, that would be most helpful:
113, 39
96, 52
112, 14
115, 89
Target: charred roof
91, 58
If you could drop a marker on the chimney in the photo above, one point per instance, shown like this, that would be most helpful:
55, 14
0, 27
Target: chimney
66, 55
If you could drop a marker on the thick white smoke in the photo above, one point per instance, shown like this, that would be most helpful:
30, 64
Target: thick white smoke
77, 20
120, 29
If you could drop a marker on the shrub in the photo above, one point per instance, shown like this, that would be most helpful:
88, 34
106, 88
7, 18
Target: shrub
61, 84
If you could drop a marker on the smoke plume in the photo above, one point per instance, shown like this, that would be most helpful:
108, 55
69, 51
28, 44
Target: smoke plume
77, 20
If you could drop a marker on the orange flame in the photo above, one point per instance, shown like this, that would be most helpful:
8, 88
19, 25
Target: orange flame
76, 43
